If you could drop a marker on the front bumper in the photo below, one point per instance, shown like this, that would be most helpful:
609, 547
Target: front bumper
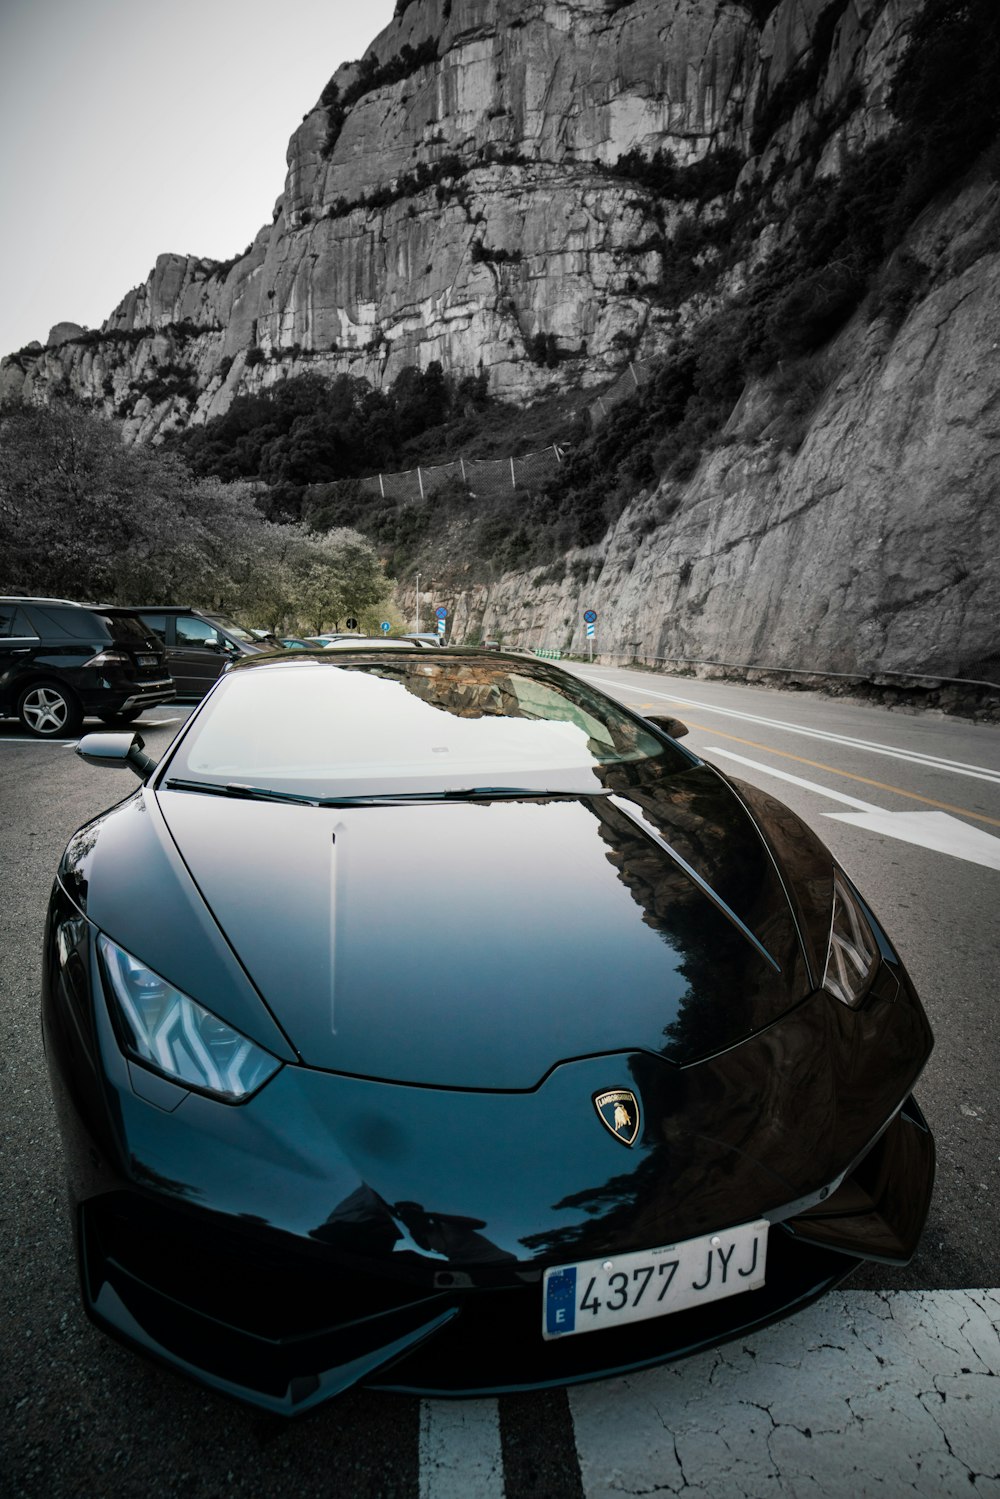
258, 1317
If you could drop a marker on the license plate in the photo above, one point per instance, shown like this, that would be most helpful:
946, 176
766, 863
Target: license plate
650, 1283
148, 660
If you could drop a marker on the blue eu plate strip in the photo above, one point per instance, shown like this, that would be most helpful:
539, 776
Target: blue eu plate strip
560, 1302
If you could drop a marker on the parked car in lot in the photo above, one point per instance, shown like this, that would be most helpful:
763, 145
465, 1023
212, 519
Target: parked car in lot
61, 662
642, 1084
199, 646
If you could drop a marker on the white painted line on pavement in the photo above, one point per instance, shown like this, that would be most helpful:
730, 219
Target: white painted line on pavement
460, 1455
916, 757
36, 743
938, 831
866, 1393
786, 775
935, 830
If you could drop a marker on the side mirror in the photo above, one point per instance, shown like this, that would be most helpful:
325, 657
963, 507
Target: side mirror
671, 726
117, 751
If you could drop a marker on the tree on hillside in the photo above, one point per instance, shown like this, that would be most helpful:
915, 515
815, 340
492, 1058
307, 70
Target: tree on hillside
77, 509
337, 575
85, 517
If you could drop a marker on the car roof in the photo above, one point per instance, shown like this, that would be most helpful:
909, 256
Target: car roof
371, 643
325, 656
35, 598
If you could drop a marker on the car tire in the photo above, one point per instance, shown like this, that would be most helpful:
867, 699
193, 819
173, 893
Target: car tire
125, 715
49, 711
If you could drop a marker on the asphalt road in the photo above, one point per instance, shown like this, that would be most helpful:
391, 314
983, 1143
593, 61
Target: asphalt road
83, 1417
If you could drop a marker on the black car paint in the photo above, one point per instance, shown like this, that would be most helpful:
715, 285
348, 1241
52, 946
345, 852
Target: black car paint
51, 642
196, 665
441, 1194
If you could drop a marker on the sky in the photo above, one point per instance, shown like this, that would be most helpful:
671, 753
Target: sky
129, 128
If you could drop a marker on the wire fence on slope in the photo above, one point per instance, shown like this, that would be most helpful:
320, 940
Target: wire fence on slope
492, 478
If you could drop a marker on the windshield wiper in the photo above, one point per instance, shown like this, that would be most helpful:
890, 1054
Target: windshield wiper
464, 794
241, 792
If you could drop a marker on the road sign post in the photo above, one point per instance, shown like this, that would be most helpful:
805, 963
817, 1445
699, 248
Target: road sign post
590, 624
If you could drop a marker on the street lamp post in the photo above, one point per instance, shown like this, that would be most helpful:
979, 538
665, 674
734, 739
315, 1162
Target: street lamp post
416, 627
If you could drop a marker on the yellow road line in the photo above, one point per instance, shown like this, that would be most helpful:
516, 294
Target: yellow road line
913, 796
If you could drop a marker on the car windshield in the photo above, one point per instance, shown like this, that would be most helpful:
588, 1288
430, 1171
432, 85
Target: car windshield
392, 727
236, 631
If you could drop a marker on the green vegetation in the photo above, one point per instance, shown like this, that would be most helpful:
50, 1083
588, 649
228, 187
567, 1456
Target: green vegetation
221, 269
161, 381
309, 430
711, 177
481, 254
93, 336
83, 516
443, 174
371, 75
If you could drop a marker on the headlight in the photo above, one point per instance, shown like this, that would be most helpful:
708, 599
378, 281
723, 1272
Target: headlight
852, 956
163, 1028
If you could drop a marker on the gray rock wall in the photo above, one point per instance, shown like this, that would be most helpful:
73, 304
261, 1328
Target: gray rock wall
558, 89
875, 546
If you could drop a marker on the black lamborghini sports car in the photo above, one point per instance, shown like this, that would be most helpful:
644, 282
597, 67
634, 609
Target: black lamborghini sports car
427, 1020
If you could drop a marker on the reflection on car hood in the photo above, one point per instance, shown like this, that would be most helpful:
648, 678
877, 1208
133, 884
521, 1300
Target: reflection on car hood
478, 945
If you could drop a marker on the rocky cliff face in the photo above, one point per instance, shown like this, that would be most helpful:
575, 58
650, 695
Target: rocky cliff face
873, 547
450, 198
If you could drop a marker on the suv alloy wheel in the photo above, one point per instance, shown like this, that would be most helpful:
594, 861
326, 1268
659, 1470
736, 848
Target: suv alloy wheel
47, 710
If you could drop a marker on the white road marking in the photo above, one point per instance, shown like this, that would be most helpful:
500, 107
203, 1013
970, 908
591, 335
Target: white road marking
31, 743
934, 830
916, 757
460, 1456
786, 775
865, 1393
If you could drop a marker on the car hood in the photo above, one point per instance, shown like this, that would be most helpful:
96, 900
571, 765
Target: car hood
477, 945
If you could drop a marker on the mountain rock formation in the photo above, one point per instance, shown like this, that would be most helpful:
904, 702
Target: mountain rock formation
464, 193
452, 196
872, 548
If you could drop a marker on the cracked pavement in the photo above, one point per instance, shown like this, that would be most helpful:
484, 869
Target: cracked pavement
866, 1393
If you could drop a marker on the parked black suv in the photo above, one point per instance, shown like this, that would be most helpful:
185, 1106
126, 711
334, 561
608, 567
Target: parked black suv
61, 661
199, 646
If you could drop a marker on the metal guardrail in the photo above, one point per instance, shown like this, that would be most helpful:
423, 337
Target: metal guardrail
870, 675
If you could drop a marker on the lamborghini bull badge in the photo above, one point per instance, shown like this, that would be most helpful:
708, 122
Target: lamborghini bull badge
618, 1110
